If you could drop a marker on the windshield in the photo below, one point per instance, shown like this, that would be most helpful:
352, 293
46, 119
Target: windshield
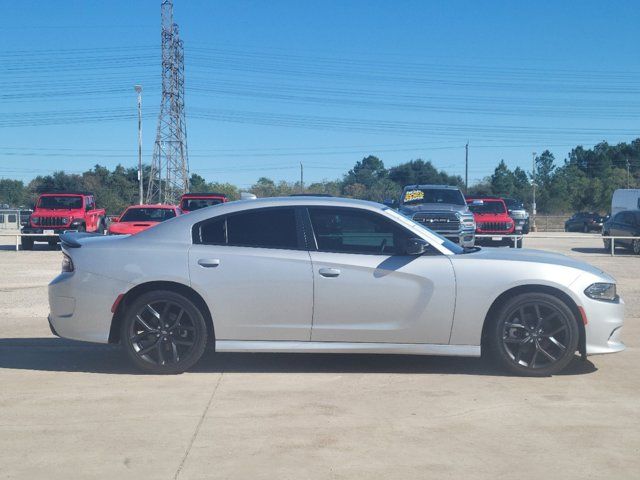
197, 203
448, 244
147, 215
513, 204
60, 202
417, 196
487, 207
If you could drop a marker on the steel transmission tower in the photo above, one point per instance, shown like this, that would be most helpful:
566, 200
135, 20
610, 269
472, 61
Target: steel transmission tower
169, 176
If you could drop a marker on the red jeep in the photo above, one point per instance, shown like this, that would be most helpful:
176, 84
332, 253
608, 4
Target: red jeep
194, 201
56, 212
492, 218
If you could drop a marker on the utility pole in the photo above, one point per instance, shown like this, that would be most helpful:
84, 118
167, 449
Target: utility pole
301, 178
533, 185
628, 175
138, 89
466, 167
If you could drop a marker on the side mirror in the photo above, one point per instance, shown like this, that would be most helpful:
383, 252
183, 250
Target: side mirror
416, 246
115, 219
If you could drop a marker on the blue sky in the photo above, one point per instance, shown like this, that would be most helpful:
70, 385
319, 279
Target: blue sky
271, 84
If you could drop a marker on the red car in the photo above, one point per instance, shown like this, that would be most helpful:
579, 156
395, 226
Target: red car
194, 201
56, 212
137, 218
492, 218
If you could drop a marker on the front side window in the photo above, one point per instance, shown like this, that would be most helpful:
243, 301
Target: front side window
352, 231
265, 228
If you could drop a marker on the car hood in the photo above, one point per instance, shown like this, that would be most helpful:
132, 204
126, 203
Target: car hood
130, 227
57, 213
433, 207
534, 256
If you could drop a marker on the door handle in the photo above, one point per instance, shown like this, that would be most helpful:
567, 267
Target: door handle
208, 262
329, 272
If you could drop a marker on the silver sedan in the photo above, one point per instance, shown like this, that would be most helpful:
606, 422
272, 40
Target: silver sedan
329, 275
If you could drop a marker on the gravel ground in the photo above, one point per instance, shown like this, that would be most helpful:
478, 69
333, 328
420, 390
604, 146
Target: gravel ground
74, 410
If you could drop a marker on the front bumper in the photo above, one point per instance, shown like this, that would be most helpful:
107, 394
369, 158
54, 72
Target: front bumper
80, 305
604, 326
465, 238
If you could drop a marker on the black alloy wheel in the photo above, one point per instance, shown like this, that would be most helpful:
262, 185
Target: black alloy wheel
163, 332
536, 335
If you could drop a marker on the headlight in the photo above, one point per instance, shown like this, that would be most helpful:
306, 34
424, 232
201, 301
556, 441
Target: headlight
468, 221
602, 291
67, 263
35, 220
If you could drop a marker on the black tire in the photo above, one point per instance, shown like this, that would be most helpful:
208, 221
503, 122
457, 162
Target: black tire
82, 227
531, 347
607, 244
102, 227
151, 345
26, 243
585, 229
636, 247
53, 244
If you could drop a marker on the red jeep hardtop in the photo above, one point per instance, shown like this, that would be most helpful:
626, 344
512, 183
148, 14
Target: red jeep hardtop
491, 216
56, 212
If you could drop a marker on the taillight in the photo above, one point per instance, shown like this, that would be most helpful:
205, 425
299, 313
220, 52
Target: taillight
67, 263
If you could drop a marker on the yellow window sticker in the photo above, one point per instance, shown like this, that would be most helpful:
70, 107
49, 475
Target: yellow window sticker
411, 195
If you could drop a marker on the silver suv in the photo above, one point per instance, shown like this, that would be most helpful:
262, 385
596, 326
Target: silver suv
442, 209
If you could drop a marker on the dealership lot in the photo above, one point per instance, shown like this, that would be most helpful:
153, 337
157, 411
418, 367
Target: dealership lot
73, 410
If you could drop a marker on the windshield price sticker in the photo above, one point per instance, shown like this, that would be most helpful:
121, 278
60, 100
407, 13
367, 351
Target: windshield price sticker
412, 195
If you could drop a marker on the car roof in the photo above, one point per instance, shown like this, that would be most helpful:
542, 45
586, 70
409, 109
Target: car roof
157, 205
63, 193
204, 194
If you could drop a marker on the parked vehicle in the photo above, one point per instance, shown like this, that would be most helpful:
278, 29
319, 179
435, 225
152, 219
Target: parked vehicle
492, 218
56, 212
584, 222
194, 201
442, 209
331, 275
137, 218
519, 215
625, 199
623, 224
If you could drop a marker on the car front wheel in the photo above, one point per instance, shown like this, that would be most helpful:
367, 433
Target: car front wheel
163, 332
536, 334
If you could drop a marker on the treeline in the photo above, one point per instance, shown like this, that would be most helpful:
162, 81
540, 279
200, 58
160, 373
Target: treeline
584, 181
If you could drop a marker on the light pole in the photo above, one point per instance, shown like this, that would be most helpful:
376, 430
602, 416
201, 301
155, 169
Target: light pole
138, 89
533, 185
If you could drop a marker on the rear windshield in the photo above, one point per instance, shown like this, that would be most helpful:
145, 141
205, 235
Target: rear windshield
196, 203
417, 196
487, 207
60, 202
147, 215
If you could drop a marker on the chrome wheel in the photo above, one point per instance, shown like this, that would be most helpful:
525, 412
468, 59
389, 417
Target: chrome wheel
162, 333
536, 335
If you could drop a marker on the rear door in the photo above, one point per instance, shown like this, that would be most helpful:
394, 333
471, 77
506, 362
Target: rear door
367, 290
254, 271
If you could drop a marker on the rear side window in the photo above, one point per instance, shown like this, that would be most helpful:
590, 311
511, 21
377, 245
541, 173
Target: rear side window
265, 228
352, 231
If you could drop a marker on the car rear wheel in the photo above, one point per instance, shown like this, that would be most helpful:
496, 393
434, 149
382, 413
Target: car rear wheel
163, 332
607, 244
585, 228
636, 247
536, 334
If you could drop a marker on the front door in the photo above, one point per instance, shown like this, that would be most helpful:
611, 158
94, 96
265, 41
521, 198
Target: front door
254, 274
367, 290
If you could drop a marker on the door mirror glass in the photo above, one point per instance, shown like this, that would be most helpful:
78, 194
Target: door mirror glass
416, 246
